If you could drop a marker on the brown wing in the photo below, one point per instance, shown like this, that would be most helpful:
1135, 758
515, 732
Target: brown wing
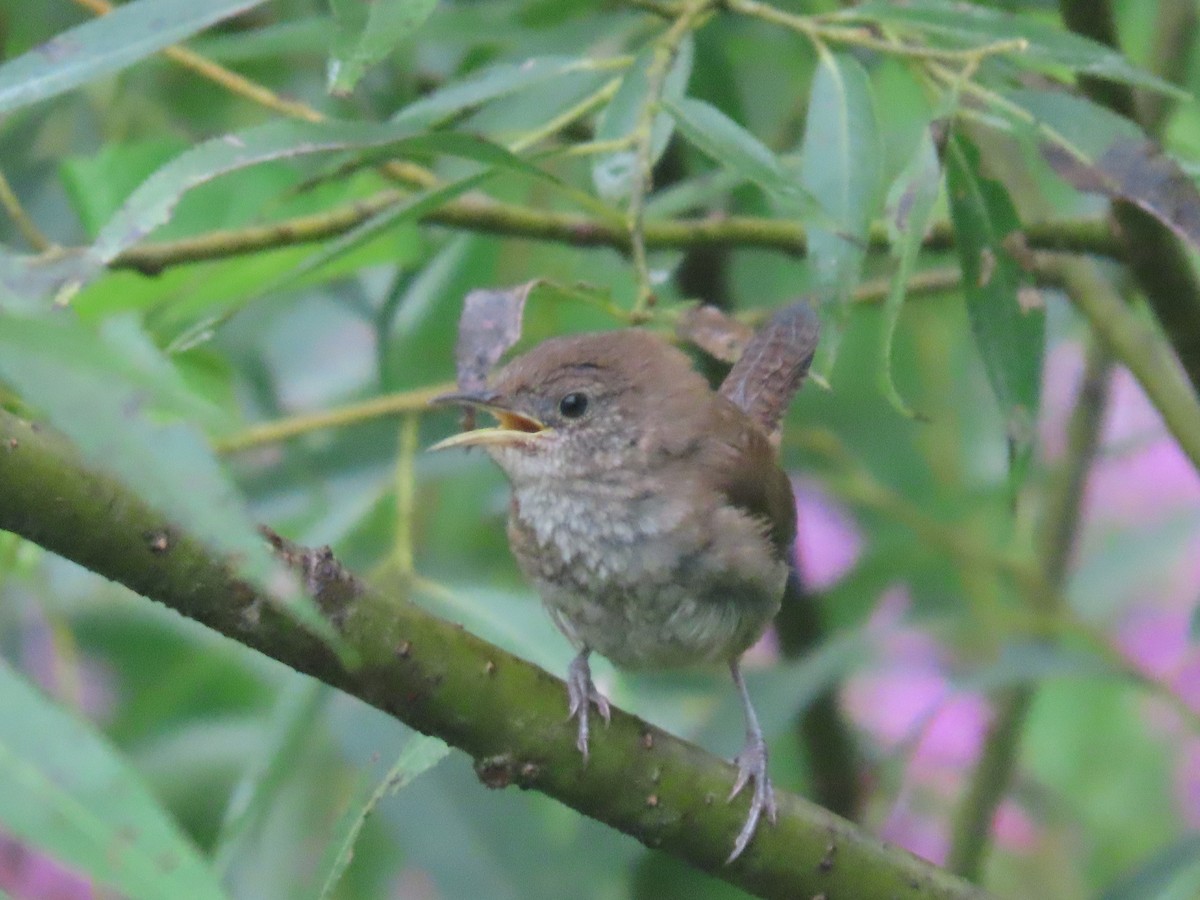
742, 464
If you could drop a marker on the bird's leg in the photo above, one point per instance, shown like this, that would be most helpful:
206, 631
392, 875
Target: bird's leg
582, 694
752, 766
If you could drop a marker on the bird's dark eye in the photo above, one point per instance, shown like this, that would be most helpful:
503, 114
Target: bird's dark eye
573, 405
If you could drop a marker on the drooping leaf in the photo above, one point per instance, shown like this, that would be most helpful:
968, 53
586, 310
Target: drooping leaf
970, 25
107, 44
292, 724
419, 755
489, 325
129, 413
154, 201
614, 174
69, 793
841, 169
733, 146
1010, 335
364, 33
908, 213
1100, 152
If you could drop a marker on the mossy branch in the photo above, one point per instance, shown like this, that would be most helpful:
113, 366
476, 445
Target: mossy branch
486, 216
505, 712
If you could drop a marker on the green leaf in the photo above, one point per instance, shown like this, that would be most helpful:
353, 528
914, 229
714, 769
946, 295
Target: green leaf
841, 168
1158, 876
107, 44
969, 25
69, 793
292, 724
365, 32
728, 143
408, 209
126, 408
909, 212
479, 87
416, 205
1031, 662
419, 755
614, 174
154, 201
1009, 336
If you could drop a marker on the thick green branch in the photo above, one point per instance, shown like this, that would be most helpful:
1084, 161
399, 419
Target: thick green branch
506, 713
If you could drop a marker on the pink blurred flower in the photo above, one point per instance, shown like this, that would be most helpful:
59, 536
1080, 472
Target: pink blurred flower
26, 874
827, 541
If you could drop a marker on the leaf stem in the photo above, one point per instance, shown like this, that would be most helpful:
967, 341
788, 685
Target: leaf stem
21, 219
665, 50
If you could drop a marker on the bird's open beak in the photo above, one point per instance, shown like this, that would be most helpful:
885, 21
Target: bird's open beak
513, 428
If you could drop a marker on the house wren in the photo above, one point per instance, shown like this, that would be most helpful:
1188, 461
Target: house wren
648, 510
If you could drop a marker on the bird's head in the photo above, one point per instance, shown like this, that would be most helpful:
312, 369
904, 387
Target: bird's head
577, 406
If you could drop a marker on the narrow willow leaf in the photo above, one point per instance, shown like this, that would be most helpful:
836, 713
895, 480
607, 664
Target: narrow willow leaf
728, 143
491, 83
419, 755
841, 169
1010, 335
153, 202
128, 411
908, 213
614, 174
292, 724
1100, 152
494, 159
70, 794
108, 44
364, 33
407, 210
1047, 47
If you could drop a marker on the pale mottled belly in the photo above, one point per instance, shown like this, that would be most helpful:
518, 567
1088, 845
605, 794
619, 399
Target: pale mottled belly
645, 589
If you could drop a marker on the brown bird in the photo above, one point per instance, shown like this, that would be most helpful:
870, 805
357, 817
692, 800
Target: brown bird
648, 510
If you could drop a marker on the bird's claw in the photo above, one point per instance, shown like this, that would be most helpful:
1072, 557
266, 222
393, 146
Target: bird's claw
752, 766
581, 696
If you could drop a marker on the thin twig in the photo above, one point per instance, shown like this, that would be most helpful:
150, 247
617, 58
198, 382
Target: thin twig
412, 401
29, 230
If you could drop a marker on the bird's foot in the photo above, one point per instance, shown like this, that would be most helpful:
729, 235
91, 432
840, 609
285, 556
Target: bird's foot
582, 694
752, 766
